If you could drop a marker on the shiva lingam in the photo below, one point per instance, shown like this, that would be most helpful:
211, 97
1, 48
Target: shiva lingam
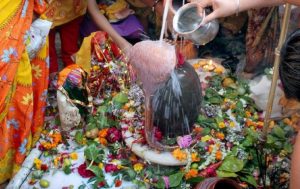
172, 93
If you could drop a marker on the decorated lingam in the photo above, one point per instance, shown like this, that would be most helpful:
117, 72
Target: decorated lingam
172, 92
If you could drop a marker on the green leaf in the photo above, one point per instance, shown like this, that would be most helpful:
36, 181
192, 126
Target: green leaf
160, 184
278, 132
249, 179
120, 98
79, 137
97, 171
195, 180
175, 179
93, 179
128, 174
81, 186
288, 147
91, 152
215, 100
67, 170
225, 174
231, 164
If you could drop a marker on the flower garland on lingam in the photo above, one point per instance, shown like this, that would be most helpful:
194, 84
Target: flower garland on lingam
227, 138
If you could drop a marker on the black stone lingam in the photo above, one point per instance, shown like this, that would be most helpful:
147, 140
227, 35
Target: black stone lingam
177, 103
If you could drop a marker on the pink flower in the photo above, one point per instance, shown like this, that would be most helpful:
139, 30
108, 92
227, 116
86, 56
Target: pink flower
113, 135
110, 168
167, 181
184, 141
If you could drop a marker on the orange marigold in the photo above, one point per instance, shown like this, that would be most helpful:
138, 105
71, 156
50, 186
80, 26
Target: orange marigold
103, 141
219, 155
180, 155
191, 174
103, 133
220, 135
195, 157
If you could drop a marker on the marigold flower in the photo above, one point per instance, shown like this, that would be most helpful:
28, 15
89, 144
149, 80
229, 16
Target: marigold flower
103, 141
56, 161
198, 129
180, 155
195, 157
247, 114
38, 163
219, 155
221, 125
73, 156
103, 133
138, 167
57, 138
260, 124
210, 148
133, 158
287, 121
220, 135
191, 174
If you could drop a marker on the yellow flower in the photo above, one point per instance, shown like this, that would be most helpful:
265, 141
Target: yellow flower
55, 161
221, 125
205, 138
138, 167
248, 114
232, 124
100, 165
73, 156
180, 155
37, 71
195, 157
37, 162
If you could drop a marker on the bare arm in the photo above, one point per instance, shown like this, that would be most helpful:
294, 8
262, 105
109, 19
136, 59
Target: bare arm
104, 25
295, 165
223, 8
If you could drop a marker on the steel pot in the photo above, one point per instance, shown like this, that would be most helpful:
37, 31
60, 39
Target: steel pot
186, 22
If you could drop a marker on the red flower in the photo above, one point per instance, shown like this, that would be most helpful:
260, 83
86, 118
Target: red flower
118, 183
101, 184
158, 134
110, 168
44, 167
113, 135
84, 172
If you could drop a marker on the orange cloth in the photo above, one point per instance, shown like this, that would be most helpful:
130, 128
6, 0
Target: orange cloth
21, 101
62, 11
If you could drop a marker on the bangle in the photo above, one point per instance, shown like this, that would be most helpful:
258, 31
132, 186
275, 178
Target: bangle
237, 7
154, 5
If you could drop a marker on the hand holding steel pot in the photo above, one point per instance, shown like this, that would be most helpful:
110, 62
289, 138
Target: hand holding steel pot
187, 23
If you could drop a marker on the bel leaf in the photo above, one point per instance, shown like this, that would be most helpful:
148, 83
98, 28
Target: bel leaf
175, 179
97, 171
279, 132
249, 179
231, 164
225, 174
91, 152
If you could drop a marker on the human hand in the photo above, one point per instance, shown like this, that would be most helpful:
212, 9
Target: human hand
221, 8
